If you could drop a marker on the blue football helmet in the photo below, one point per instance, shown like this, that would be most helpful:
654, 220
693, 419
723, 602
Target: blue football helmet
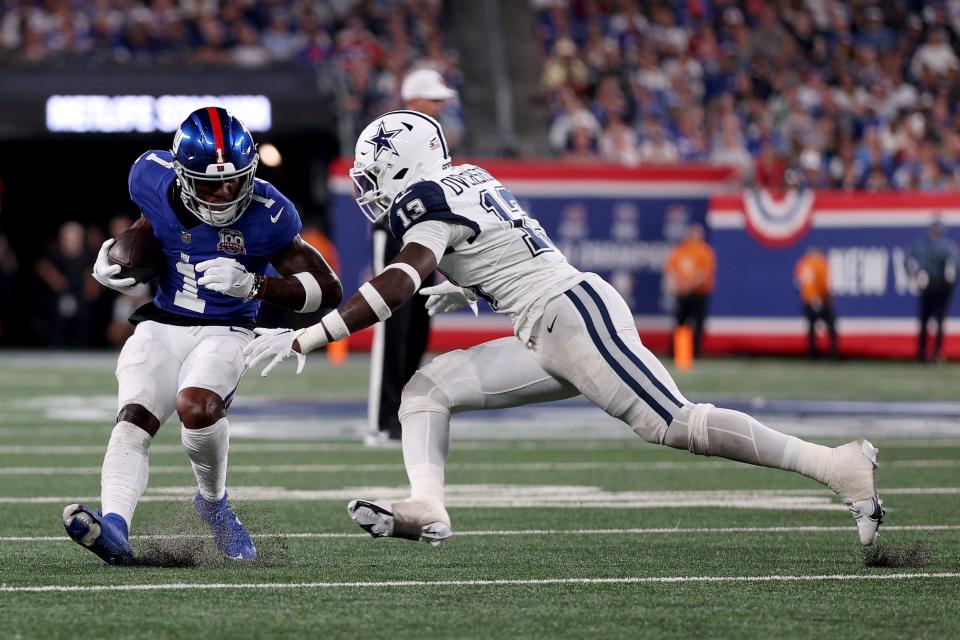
213, 146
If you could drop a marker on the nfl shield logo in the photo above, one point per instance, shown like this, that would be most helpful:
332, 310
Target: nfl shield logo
186, 237
231, 242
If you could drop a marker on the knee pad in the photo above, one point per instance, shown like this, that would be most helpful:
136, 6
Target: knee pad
698, 438
423, 394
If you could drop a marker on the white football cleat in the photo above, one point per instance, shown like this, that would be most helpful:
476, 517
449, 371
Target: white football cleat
853, 476
407, 519
869, 516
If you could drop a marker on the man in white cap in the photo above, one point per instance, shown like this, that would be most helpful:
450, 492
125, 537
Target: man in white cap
400, 342
425, 91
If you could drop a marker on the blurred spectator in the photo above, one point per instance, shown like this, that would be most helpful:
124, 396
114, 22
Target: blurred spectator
935, 55
690, 271
811, 275
119, 327
573, 116
769, 170
618, 144
656, 148
728, 147
112, 309
65, 270
932, 263
581, 147
8, 270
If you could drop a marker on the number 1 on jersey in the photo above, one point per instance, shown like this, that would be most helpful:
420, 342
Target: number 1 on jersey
187, 297
502, 204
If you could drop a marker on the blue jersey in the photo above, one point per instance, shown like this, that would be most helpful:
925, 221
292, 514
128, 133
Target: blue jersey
268, 225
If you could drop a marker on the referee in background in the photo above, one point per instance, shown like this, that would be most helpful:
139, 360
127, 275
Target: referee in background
932, 263
400, 342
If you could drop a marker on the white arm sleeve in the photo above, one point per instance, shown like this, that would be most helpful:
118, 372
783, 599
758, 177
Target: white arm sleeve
436, 236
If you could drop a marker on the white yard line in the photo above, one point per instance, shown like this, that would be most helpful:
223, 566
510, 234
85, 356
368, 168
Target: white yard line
522, 495
462, 466
238, 446
324, 535
306, 447
397, 466
268, 586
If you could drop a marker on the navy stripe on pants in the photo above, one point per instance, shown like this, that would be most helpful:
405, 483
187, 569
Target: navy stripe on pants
630, 381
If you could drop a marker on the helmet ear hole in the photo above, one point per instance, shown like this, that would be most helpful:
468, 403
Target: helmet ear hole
400, 174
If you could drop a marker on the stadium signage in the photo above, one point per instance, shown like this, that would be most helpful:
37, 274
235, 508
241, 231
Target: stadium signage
146, 114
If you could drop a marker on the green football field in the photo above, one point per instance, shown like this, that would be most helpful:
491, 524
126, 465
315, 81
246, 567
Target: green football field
575, 533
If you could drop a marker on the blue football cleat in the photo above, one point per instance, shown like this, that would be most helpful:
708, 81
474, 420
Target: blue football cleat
106, 535
231, 536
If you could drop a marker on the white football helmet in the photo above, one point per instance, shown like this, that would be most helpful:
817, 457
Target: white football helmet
394, 151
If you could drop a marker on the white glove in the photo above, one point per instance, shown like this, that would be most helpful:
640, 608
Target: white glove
447, 296
104, 272
225, 275
275, 345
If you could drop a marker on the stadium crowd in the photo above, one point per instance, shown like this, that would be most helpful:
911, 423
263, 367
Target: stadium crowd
843, 95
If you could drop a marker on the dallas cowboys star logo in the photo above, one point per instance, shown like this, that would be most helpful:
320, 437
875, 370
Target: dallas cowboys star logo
383, 140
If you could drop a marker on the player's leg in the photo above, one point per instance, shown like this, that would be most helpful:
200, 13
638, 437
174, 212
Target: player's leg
497, 374
147, 370
209, 377
681, 314
596, 347
925, 314
941, 303
830, 318
699, 316
812, 316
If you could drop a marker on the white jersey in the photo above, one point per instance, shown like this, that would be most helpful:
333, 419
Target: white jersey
505, 258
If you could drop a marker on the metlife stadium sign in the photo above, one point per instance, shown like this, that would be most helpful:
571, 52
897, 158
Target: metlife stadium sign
46, 103
146, 114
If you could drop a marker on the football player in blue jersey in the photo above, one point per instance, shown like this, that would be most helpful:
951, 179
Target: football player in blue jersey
219, 228
574, 335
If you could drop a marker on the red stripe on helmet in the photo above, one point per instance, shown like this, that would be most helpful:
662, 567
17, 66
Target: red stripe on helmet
217, 132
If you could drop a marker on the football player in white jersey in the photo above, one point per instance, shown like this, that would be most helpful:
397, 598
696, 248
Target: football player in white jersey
574, 334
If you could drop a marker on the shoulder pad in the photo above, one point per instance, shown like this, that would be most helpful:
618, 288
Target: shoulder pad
274, 215
147, 176
421, 202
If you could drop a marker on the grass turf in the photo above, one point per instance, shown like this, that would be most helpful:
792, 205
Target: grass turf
921, 607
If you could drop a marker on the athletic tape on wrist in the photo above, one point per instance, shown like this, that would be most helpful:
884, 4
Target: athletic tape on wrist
314, 294
313, 337
335, 326
376, 301
407, 269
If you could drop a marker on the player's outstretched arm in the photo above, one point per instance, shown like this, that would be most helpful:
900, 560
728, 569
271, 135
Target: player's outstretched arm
305, 284
376, 300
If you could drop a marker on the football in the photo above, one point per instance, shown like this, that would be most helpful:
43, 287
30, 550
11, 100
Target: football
138, 253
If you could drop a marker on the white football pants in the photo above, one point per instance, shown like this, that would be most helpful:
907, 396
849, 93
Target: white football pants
585, 343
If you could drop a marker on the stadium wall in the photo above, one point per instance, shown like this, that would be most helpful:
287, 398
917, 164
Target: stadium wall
621, 222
